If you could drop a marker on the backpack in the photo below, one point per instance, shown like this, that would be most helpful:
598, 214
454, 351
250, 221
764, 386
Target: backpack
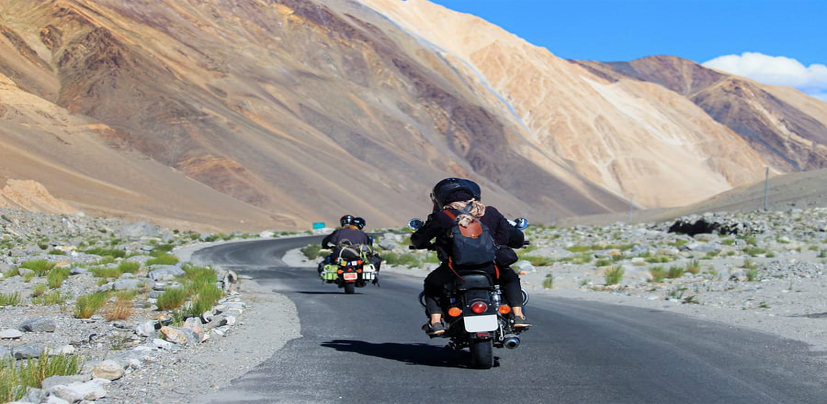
472, 245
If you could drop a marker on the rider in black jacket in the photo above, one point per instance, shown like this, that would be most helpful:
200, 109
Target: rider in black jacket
448, 192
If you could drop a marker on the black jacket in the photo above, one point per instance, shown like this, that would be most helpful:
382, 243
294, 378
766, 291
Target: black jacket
339, 235
439, 225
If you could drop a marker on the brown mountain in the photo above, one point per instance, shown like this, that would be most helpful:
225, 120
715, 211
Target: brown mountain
787, 127
251, 114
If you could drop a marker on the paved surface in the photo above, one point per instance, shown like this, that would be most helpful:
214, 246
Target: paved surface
368, 348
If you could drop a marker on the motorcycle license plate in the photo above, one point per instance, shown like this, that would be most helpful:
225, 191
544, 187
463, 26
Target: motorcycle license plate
481, 323
350, 276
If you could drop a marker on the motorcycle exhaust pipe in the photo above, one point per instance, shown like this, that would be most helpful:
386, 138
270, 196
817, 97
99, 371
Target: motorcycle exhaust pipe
511, 341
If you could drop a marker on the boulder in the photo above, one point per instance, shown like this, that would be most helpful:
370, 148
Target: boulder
73, 392
108, 369
10, 334
165, 272
27, 351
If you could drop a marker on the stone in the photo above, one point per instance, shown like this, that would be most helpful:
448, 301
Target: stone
126, 284
24, 271
54, 400
10, 334
174, 335
145, 329
91, 390
63, 350
78, 271
27, 351
140, 229
109, 370
165, 272
165, 345
38, 324
194, 324
52, 381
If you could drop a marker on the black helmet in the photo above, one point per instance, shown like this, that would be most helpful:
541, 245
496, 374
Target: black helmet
359, 222
443, 189
346, 220
475, 189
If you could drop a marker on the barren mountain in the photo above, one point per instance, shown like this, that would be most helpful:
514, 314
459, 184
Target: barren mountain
786, 126
276, 113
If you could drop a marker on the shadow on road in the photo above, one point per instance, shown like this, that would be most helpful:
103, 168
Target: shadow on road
412, 354
314, 292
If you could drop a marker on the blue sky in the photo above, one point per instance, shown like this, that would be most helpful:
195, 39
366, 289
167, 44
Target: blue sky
775, 41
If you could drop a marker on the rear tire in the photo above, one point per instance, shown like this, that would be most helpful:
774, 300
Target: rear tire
482, 353
350, 288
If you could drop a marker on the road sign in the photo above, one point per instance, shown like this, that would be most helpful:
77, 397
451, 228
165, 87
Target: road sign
318, 225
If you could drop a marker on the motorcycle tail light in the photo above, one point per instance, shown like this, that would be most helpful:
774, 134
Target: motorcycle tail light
359, 270
341, 272
479, 307
454, 312
349, 269
504, 309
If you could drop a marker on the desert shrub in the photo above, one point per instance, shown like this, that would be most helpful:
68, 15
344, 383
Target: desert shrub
40, 289
752, 274
658, 274
39, 267
49, 299
311, 251
754, 251
579, 248
15, 377
28, 277
128, 267
537, 261
107, 252
162, 249
171, 299
11, 272
748, 263
613, 275
658, 259
548, 282
603, 262
106, 272
431, 258
675, 272
693, 267
9, 299
163, 259
204, 296
56, 277
87, 305
118, 310
199, 275
55, 251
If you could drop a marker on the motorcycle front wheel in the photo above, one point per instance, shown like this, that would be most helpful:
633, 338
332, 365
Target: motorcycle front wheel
350, 288
482, 353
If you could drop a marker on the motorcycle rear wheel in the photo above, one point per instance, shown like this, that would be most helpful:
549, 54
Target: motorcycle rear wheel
350, 288
482, 353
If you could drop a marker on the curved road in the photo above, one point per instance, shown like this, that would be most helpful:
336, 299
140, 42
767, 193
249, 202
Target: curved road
368, 348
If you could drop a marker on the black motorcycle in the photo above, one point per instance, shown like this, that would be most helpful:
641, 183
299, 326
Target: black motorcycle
476, 315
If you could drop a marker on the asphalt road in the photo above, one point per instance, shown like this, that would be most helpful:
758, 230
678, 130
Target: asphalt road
368, 348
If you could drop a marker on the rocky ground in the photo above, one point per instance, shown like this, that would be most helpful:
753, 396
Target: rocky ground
129, 350
763, 271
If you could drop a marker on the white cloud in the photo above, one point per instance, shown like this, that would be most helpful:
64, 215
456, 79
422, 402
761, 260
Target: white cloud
778, 70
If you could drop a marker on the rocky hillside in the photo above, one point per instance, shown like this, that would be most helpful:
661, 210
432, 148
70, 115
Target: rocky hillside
279, 113
788, 128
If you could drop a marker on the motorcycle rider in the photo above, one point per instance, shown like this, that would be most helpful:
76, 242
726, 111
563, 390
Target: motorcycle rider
349, 234
455, 194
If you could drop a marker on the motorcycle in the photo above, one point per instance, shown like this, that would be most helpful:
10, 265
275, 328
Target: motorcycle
475, 313
350, 272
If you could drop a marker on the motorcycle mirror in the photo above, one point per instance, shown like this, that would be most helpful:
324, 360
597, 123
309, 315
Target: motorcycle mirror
415, 224
521, 223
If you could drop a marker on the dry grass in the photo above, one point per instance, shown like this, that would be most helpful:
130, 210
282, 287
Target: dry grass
117, 310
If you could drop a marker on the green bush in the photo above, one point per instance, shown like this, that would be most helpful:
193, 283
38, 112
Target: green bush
55, 251
9, 299
87, 305
107, 252
128, 267
548, 282
754, 251
49, 299
311, 251
204, 296
163, 259
57, 276
603, 262
39, 267
15, 377
579, 248
658, 274
658, 259
693, 267
613, 275
171, 299
106, 272
162, 249
675, 272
